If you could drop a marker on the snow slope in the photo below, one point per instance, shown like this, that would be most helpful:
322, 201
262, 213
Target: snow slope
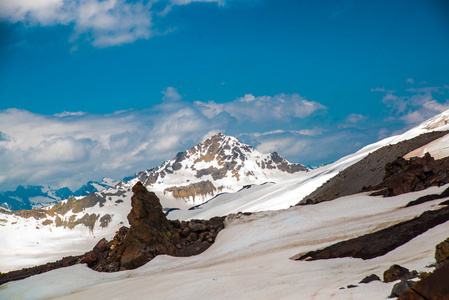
30, 242
250, 258
438, 148
290, 191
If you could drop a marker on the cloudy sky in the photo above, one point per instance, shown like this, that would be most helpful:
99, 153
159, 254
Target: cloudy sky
92, 89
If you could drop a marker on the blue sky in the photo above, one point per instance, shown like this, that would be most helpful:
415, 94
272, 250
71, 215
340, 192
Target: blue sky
92, 88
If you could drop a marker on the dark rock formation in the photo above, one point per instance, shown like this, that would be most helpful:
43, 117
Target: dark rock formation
433, 287
396, 272
369, 278
367, 172
27, 272
430, 197
442, 253
383, 241
404, 176
152, 234
400, 287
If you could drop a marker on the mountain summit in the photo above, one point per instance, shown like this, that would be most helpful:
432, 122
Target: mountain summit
221, 163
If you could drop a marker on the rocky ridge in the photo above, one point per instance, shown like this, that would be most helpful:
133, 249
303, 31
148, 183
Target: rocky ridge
219, 164
369, 171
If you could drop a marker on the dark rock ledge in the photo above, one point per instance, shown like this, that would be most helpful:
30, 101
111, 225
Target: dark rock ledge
383, 241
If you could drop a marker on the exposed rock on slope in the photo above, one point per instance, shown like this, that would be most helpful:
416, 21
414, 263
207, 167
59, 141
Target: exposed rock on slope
404, 176
383, 241
435, 285
151, 234
219, 164
368, 171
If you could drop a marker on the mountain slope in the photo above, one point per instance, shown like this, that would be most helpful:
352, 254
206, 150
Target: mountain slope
46, 233
219, 164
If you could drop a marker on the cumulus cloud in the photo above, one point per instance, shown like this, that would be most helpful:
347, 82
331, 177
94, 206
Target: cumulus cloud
103, 22
281, 107
310, 149
60, 150
418, 105
354, 118
171, 94
71, 148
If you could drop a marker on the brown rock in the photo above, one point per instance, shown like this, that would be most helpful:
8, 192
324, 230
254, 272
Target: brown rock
435, 287
395, 272
369, 278
185, 232
197, 227
150, 233
442, 252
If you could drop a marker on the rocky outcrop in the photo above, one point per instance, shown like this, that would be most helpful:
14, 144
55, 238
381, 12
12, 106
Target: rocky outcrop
383, 241
404, 176
199, 189
27, 272
369, 171
151, 234
430, 197
401, 287
396, 272
442, 253
435, 287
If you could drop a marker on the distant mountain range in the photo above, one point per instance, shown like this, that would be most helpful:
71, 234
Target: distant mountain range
30, 197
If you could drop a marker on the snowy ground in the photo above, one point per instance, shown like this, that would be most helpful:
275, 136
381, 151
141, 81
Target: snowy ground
250, 258
28, 243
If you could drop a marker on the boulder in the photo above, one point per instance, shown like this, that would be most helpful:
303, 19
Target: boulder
434, 286
370, 278
442, 252
400, 287
396, 272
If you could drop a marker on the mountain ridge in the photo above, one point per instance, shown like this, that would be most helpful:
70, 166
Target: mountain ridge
221, 163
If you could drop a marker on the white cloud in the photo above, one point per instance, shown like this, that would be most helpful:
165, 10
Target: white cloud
312, 132
354, 118
418, 107
281, 107
69, 114
103, 22
60, 150
308, 132
171, 94
410, 80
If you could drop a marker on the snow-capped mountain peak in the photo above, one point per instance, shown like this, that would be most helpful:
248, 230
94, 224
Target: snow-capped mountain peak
221, 163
